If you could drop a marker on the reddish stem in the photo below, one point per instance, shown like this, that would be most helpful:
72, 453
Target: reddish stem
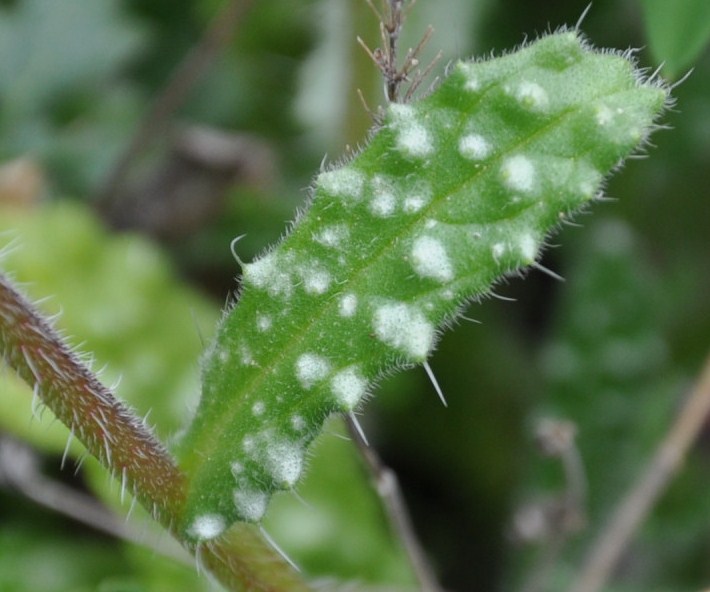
240, 559
108, 429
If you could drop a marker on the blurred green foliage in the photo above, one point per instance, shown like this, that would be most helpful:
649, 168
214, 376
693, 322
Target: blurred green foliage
75, 77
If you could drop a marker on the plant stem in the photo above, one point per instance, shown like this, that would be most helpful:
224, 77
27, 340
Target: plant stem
109, 430
241, 560
191, 69
634, 507
387, 486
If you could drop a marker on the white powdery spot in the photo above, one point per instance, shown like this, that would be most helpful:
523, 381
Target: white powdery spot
383, 202
474, 147
250, 504
315, 280
207, 526
401, 112
263, 323
333, 236
348, 387
528, 248
419, 197
344, 182
430, 259
237, 468
383, 205
472, 83
298, 423
248, 443
258, 408
267, 274
531, 96
498, 250
283, 461
603, 115
347, 305
404, 327
518, 173
414, 141
224, 356
311, 368
245, 355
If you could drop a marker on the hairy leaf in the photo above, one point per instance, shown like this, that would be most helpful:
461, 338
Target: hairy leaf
452, 193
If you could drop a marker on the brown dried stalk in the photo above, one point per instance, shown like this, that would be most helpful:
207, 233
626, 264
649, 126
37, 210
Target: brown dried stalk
638, 502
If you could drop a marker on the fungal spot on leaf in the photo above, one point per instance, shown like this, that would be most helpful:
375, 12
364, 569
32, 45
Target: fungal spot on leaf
263, 323
472, 82
347, 305
258, 408
315, 280
531, 96
348, 387
298, 423
417, 199
430, 260
345, 182
283, 461
528, 248
474, 147
248, 443
404, 327
250, 503
603, 115
237, 468
333, 236
413, 139
383, 202
245, 355
518, 173
311, 368
207, 526
267, 274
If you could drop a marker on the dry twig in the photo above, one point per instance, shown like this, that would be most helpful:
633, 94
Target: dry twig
392, 17
638, 502
387, 487
184, 78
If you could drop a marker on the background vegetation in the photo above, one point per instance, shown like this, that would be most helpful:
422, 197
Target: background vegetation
140, 280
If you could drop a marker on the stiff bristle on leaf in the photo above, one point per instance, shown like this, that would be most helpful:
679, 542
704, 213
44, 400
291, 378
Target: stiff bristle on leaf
452, 193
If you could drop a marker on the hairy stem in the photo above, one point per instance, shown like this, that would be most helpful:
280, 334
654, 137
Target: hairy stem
241, 560
109, 430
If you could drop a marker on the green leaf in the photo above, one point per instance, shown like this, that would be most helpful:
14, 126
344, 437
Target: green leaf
677, 31
453, 193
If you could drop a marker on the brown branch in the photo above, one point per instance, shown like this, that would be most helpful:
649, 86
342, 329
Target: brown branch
183, 79
392, 17
110, 431
565, 515
635, 506
387, 487
20, 471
